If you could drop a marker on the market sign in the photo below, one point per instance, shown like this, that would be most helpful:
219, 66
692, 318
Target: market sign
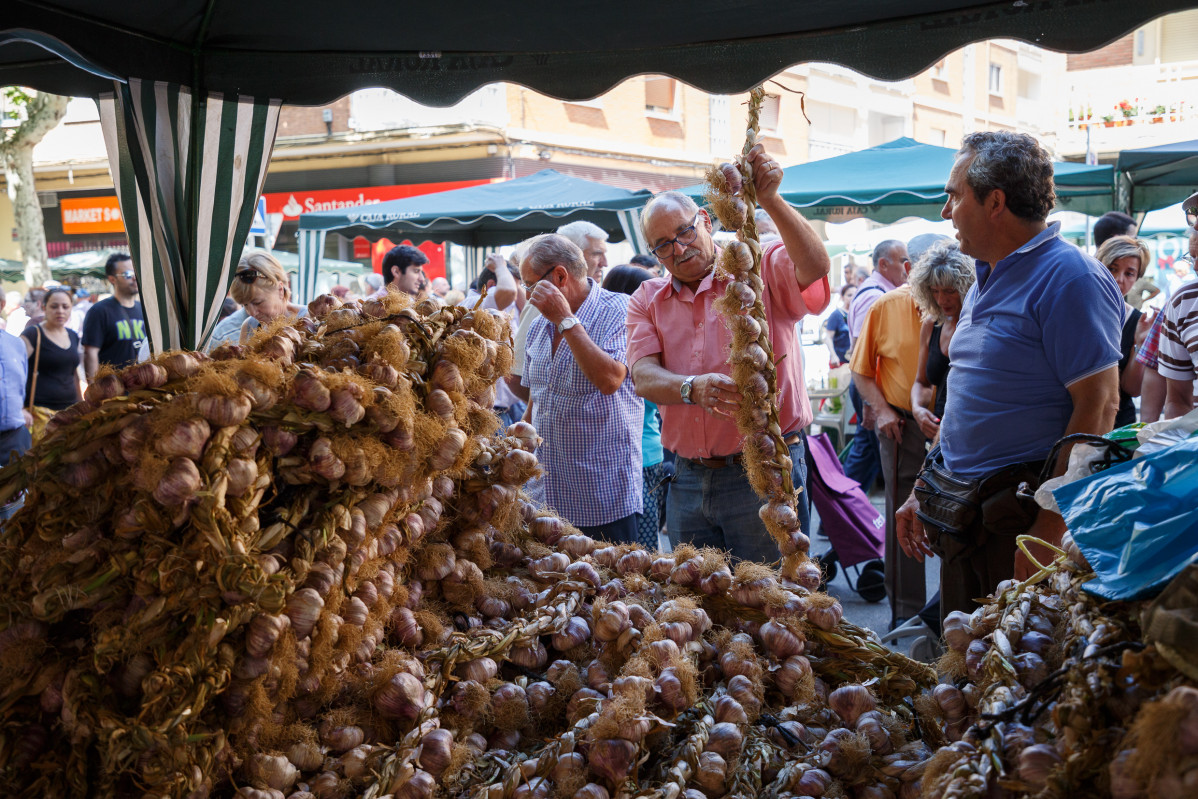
91, 215
293, 203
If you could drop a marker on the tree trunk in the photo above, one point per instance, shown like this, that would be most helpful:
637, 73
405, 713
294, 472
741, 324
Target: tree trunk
44, 112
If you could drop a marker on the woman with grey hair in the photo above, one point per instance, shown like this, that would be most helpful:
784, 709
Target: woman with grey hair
939, 283
1127, 258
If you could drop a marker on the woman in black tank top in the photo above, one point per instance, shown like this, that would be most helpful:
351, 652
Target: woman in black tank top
939, 284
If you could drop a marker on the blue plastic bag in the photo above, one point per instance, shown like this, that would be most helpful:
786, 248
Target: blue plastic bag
1136, 523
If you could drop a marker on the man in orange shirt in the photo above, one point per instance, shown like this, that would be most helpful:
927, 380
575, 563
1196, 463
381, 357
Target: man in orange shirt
884, 361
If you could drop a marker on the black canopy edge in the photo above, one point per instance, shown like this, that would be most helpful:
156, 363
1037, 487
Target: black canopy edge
892, 49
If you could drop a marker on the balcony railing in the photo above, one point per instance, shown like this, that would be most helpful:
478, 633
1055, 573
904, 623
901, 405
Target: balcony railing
1151, 94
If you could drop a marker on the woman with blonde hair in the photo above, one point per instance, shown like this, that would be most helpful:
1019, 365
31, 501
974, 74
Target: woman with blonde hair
261, 286
939, 283
1127, 258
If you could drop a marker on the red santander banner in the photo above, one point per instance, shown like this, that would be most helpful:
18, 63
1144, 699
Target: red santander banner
293, 203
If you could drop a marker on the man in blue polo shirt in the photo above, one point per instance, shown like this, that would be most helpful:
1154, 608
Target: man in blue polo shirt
1034, 359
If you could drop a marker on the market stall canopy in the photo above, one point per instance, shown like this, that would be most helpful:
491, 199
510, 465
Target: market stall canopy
1157, 177
904, 178
490, 215
308, 53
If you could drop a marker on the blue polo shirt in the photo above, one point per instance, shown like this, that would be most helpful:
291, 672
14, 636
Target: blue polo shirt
1045, 317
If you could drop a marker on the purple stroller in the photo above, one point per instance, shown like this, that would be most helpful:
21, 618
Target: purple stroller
855, 527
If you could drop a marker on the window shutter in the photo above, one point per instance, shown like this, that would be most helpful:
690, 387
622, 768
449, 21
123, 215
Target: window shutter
770, 107
659, 93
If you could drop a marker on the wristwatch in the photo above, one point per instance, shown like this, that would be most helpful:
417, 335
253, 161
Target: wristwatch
688, 386
567, 323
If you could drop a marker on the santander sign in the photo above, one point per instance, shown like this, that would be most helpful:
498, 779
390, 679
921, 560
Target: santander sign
292, 204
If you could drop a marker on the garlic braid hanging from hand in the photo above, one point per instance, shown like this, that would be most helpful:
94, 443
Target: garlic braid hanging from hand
733, 196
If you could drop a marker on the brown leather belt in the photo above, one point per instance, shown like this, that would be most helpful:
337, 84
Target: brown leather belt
731, 460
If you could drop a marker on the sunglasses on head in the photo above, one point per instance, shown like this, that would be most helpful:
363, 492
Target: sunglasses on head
248, 276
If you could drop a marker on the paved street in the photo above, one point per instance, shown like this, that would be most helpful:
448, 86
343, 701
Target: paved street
874, 615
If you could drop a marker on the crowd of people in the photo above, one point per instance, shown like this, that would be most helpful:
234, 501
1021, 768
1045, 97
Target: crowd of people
970, 358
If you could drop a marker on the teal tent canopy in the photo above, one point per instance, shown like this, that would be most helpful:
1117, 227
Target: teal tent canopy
1157, 177
904, 178
490, 215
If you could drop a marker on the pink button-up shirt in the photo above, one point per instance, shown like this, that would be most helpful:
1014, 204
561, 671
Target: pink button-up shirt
666, 318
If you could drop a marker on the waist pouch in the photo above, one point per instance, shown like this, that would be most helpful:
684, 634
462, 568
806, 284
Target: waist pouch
953, 504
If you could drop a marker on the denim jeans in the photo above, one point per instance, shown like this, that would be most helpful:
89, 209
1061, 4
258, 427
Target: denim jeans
620, 531
509, 416
863, 462
717, 508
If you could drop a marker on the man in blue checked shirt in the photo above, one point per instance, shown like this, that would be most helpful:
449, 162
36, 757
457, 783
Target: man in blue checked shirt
583, 404
14, 419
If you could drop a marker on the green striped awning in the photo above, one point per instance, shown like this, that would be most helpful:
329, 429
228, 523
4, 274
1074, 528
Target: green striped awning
188, 171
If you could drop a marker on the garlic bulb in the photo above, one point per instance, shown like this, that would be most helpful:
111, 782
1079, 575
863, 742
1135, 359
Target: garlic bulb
479, 670
711, 773
264, 631
724, 739
612, 758
402, 697
792, 674
1036, 762
435, 751
576, 632
592, 791
780, 641
342, 739
850, 701
303, 609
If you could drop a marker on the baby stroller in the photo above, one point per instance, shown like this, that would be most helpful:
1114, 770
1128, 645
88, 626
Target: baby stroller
855, 527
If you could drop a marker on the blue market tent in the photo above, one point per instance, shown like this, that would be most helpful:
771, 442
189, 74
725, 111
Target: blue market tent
1157, 177
490, 215
904, 178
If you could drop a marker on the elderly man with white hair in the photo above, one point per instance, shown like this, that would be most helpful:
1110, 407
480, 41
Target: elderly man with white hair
592, 240
678, 350
583, 404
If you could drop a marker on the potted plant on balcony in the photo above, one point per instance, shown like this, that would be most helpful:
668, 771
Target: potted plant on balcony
1108, 120
1128, 110
1158, 114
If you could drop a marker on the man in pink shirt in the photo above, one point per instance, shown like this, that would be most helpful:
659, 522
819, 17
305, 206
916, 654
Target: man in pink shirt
678, 349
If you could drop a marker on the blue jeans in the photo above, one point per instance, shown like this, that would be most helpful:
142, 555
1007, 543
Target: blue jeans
863, 462
510, 415
621, 531
717, 508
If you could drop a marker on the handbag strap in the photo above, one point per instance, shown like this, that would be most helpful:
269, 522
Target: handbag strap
37, 357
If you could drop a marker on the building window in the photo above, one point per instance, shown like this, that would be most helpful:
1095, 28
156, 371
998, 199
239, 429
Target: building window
770, 106
995, 79
936, 137
661, 95
940, 70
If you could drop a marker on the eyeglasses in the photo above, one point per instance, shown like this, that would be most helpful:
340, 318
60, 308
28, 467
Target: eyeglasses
1192, 215
686, 237
533, 285
248, 276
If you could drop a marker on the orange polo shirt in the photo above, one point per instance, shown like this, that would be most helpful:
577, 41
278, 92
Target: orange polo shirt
888, 348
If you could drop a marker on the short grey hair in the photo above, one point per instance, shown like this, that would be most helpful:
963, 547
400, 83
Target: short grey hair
1014, 163
666, 198
885, 249
1117, 247
578, 232
373, 280
552, 249
943, 266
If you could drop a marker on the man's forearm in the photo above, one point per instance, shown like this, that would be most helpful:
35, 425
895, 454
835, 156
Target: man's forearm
521, 391
656, 383
867, 387
1095, 403
1179, 398
91, 361
604, 371
803, 245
